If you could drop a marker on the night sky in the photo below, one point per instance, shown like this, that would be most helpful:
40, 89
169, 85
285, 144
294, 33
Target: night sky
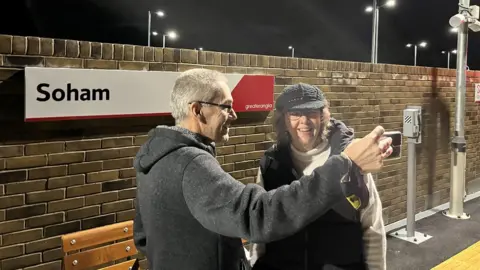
324, 29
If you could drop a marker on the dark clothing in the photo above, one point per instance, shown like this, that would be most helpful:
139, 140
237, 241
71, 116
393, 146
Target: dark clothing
332, 241
191, 214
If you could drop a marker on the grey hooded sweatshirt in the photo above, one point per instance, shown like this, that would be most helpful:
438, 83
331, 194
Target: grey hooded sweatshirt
191, 214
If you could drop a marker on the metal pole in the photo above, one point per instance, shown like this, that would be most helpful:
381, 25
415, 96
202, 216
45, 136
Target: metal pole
293, 52
374, 28
377, 22
415, 56
164, 41
459, 144
411, 188
448, 60
149, 26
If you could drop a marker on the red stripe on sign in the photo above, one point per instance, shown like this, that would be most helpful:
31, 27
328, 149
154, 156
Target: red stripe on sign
254, 93
87, 117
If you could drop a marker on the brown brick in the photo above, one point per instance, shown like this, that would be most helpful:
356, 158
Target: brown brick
26, 162
107, 51
11, 226
236, 140
85, 167
43, 244
127, 193
117, 185
73, 48
83, 212
55, 265
64, 228
66, 158
46, 46
117, 142
118, 51
111, 153
57, 62
47, 219
22, 237
130, 65
149, 54
254, 155
127, 173
84, 190
126, 215
225, 150
234, 158
242, 148
100, 64
25, 187
19, 45
6, 44
255, 138
12, 201
101, 198
44, 148
66, 181
11, 151
139, 140
26, 211
11, 251
102, 176
117, 163
66, 204
98, 221
46, 172
7, 177
117, 206
83, 145
2, 218
52, 255
45, 196
22, 261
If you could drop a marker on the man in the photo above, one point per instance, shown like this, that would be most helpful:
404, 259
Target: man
191, 214
343, 238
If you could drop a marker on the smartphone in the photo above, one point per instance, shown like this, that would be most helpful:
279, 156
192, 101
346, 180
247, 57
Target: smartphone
396, 143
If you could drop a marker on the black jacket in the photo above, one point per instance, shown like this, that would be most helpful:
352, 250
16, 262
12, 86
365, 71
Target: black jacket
334, 239
191, 214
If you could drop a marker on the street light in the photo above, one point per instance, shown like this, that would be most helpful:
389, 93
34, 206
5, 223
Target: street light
293, 50
448, 56
160, 14
422, 44
375, 9
171, 35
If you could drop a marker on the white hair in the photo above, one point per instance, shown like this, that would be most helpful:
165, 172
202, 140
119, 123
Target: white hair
196, 84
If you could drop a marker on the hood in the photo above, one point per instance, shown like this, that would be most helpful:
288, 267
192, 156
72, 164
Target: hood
163, 140
340, 136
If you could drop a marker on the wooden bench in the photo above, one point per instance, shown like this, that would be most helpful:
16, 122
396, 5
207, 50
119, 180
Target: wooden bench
100, 246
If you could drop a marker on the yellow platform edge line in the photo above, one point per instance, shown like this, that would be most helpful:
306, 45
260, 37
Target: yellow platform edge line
465, 259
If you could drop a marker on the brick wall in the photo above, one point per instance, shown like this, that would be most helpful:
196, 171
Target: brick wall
61, 177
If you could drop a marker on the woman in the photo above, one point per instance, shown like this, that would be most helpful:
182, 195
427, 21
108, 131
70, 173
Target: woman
346, 237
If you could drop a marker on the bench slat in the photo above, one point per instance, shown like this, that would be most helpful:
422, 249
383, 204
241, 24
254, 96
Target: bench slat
96, 236
120, 266
101, 255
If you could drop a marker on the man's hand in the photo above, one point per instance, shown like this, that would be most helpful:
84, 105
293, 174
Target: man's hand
369, 152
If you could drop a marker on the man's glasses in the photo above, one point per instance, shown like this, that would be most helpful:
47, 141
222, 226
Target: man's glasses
225, 107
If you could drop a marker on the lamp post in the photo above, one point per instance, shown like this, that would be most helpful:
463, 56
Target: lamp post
159, 13
292, 49
171, 35
375, 9
422, 44
448, 56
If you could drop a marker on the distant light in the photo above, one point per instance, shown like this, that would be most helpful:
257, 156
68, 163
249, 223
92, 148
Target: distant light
155, 33
160, 13
290, 47
454, 51
369, 9
409, 45
453, 30
172, 34
443, 52
390, 3
423, 44
201, 49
